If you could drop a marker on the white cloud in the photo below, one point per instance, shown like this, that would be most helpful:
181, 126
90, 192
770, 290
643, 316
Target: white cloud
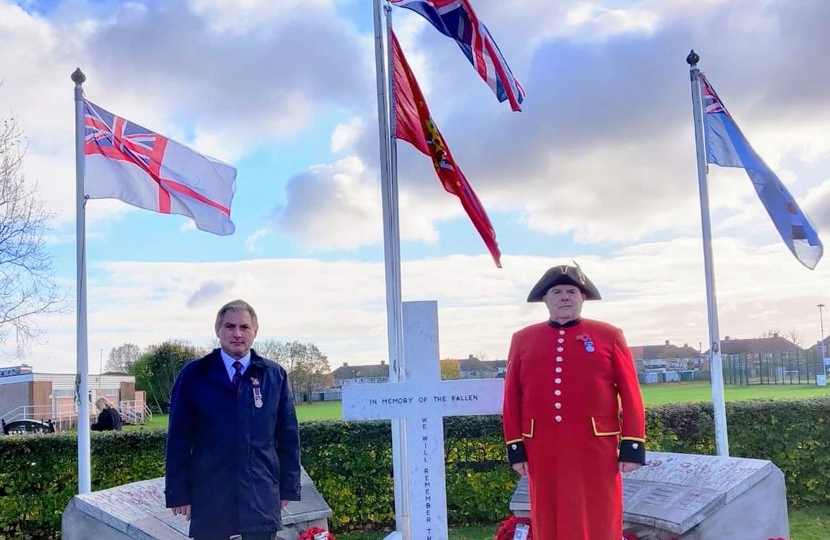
345, 135
654, 292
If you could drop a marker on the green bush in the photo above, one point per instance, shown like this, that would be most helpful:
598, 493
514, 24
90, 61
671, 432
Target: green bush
351, 463
39, 474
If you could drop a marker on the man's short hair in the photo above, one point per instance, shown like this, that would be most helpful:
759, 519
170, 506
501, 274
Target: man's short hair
235, 305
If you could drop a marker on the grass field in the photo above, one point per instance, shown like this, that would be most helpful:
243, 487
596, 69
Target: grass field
659, 394
653, 394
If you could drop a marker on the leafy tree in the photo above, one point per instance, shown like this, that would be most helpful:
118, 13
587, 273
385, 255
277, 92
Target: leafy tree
123, 357
27, 287
450, 369
156, 370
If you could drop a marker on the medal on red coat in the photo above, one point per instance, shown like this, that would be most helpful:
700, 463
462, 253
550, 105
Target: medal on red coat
522, 532
586, 341
257, 392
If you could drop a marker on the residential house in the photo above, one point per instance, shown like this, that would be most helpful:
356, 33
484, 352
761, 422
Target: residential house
666, 362
499, 365
473, 368
347, 374
666, 356
758, 348
821, 349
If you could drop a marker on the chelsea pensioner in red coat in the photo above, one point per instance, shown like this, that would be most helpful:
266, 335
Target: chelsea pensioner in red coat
573, 414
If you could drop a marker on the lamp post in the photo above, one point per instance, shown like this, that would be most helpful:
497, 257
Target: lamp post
821, 325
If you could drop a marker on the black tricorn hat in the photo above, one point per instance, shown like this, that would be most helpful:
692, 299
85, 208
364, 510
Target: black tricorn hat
563, 274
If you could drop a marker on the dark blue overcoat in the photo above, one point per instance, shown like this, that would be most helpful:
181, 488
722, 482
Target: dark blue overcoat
232, 461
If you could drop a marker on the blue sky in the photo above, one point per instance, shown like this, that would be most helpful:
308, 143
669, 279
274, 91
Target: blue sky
598, 168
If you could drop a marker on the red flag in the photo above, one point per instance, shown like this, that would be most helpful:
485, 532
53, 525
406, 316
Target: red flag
414, 124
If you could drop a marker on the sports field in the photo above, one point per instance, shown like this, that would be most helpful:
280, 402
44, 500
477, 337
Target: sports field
653, 394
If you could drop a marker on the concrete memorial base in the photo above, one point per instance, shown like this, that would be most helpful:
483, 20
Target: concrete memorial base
136, 511
696, 497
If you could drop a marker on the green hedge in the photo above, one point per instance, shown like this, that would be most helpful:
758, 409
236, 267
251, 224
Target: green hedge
351, 463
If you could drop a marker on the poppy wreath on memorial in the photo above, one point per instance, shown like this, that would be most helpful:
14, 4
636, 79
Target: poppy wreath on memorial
507, 530
315, 533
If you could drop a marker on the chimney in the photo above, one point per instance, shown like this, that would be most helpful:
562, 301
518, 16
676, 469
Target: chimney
345, 364
470, 357
383, 362
667, 342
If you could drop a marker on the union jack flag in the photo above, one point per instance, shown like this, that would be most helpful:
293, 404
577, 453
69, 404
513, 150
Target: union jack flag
711, 101
128, 162
456, 19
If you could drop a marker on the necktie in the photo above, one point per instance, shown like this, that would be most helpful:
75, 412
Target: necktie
238, 374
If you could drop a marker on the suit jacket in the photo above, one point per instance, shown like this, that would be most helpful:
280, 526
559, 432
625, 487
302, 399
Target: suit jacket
231, 460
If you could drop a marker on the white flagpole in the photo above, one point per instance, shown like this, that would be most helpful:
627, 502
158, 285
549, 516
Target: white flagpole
82, 371
392, 258
715, 363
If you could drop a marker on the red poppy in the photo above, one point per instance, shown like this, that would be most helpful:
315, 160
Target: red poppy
507, 530
316, 533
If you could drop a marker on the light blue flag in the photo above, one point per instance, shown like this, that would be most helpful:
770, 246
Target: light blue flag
726, 146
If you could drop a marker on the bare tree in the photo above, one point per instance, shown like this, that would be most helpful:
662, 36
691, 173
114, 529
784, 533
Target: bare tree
27, 287
123, 357
795, 336
308, 368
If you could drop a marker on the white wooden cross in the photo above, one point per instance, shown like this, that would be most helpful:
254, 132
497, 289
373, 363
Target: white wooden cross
417, 408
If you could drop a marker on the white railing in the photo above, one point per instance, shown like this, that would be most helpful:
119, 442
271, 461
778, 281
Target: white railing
66, 416
62, 416
135, 412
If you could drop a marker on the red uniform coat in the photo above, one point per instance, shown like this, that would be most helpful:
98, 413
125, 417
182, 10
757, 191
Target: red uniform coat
571, 396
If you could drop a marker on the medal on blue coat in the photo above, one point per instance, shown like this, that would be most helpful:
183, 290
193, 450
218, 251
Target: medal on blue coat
257, 392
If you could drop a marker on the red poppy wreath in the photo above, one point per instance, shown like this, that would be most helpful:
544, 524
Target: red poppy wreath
507, 530
316, 533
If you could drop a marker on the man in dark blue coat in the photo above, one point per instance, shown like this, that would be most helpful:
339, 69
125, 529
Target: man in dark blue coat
233, 446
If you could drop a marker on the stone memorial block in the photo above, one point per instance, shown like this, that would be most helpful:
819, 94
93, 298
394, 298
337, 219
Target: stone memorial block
136, 511
697, 497
422, 400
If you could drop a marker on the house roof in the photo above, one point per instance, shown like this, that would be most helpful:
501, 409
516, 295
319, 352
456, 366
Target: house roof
495, 363
663, 352
757, 345
377, 371
817, 346
473, 364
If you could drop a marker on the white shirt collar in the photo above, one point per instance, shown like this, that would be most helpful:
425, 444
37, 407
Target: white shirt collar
229, 360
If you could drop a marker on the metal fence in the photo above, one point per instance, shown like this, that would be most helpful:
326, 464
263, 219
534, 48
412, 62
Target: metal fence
771, 367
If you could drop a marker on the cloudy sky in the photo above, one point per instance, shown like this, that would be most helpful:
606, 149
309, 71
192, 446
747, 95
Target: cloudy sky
598, 168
